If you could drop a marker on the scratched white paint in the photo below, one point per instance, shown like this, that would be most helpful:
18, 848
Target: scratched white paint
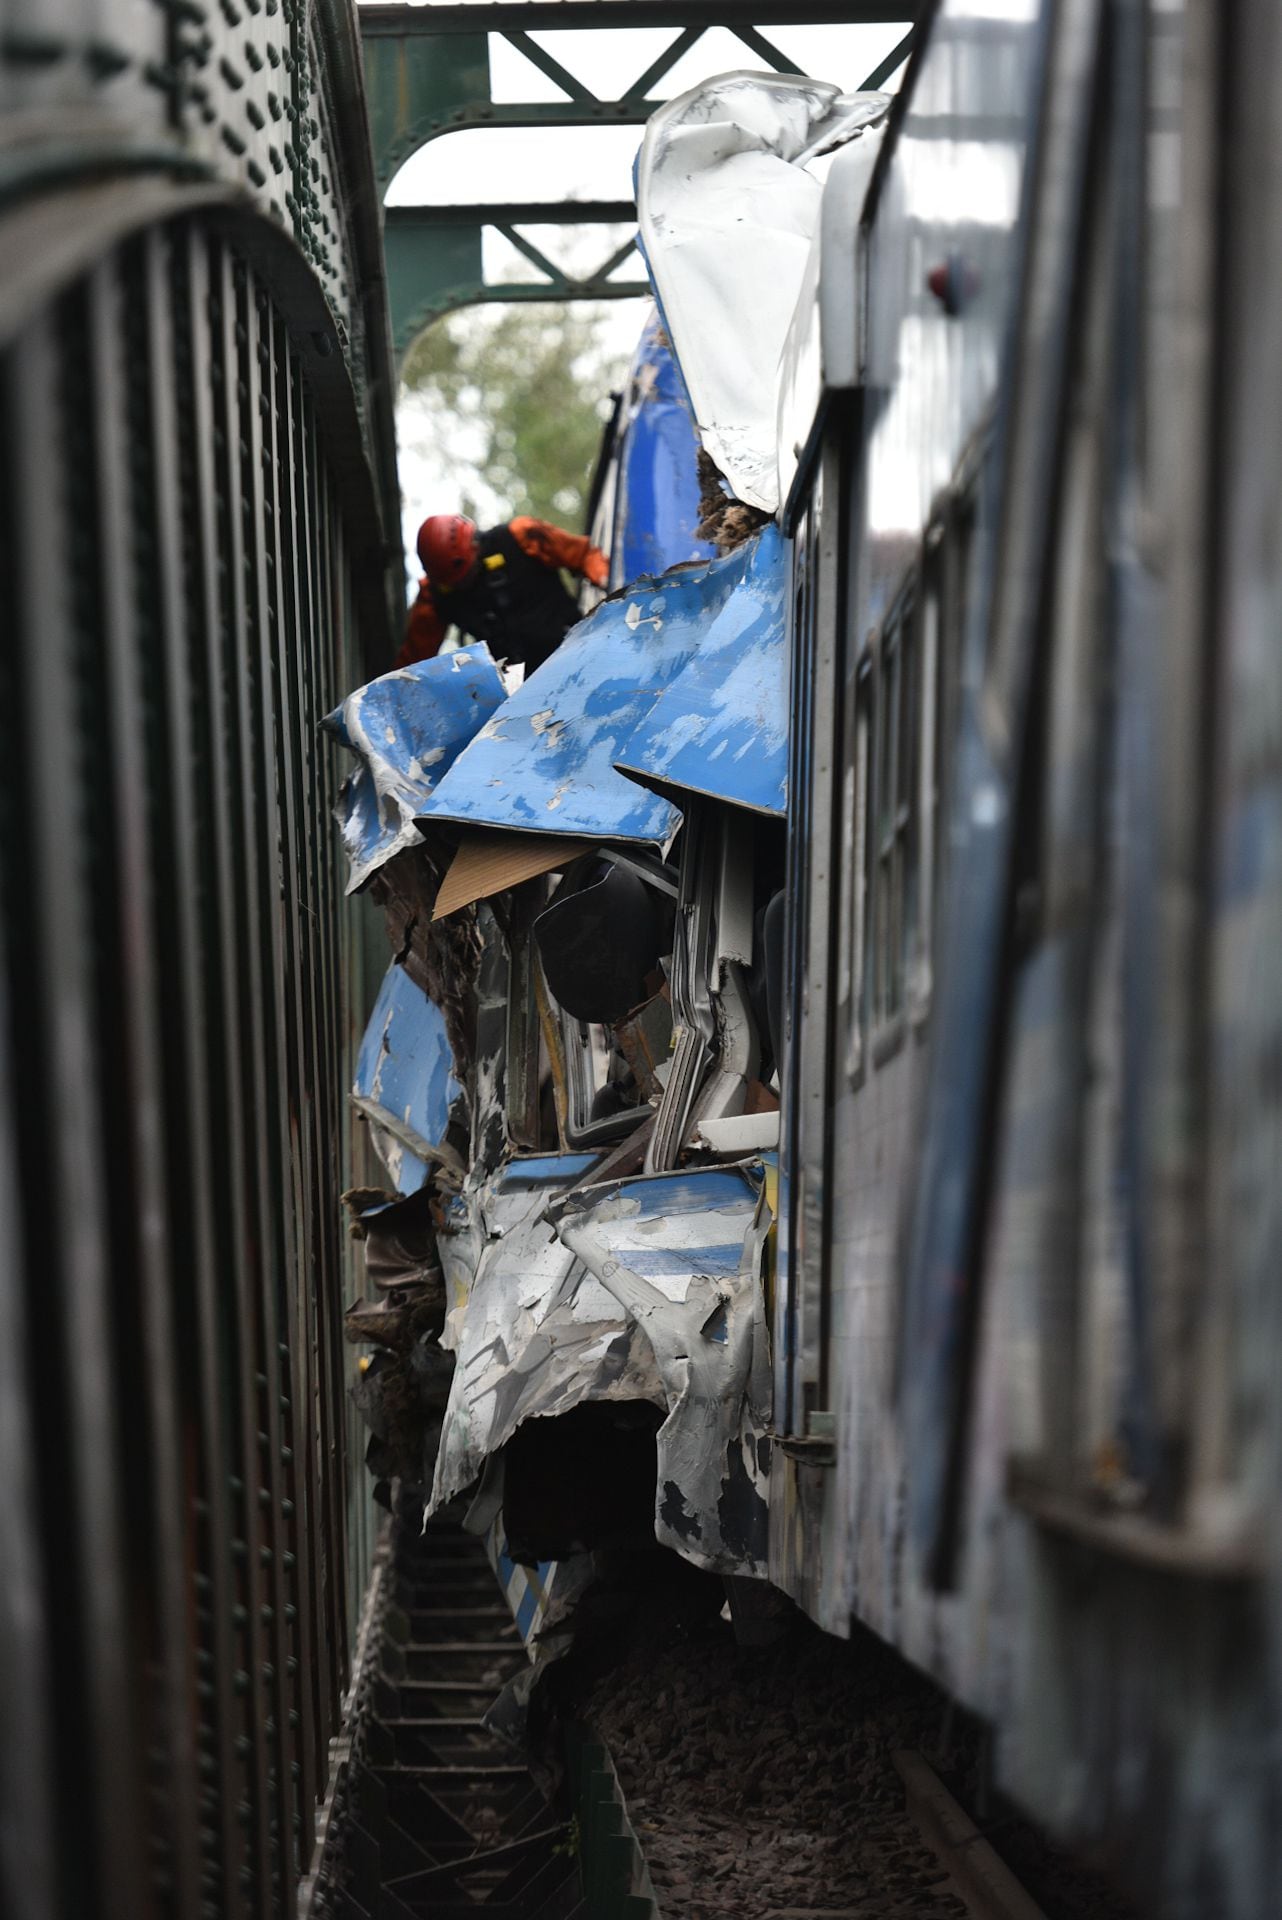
727, 200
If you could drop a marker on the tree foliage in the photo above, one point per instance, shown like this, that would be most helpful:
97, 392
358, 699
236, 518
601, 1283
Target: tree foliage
513, 404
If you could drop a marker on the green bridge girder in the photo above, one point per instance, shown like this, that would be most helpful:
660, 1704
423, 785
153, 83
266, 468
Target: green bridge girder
434, 260
427, 74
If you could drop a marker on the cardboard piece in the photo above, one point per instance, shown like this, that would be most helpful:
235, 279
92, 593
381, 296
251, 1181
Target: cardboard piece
488, 863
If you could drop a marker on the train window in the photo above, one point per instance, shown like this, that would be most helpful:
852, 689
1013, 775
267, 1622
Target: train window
604, 1014
886, 890
853, 967
930, 781
953, 580
895, 813
907, 798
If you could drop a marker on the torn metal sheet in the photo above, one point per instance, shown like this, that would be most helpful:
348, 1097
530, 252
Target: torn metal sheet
656, 510
545, 762
721, 727
535, 1336
728, 199
406, 729
398, 1240
681, 1253
405, 1080
527, 1590
639, 1289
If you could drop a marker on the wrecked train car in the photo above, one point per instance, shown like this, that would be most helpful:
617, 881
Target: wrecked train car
601, 1237
643, 506
895, 824
597, 897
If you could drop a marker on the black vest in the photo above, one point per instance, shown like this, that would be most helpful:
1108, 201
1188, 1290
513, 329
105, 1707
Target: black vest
515, 604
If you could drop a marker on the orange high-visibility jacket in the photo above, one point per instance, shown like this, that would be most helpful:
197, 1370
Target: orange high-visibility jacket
515, 601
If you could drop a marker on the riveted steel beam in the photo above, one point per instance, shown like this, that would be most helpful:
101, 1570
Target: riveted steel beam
434, 259
498, 16
427, 68
428, 74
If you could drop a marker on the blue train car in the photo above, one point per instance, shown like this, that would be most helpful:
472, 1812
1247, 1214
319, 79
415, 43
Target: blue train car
1033, 864
644, 506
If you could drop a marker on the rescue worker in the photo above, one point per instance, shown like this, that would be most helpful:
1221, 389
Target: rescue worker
501, 587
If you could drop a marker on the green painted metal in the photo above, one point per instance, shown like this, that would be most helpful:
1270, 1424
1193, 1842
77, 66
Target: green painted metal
197, 509
420, 86
616, 1881
434, 259
502, 15
428, 74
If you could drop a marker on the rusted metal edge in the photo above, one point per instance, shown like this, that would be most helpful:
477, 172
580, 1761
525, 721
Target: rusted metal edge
988, 1887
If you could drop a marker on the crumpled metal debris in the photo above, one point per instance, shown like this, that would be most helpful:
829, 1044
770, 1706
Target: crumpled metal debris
406, 729
401, 1390
546, 762
405, 1082
720, 728
645, 1289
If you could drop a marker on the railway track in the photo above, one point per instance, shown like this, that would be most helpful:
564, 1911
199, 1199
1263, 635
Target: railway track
446, 1820
975, 1873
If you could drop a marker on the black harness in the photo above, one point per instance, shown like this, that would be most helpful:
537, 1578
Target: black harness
516, 605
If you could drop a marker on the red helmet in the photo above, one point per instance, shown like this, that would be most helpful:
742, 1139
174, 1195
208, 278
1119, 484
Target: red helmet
447, 548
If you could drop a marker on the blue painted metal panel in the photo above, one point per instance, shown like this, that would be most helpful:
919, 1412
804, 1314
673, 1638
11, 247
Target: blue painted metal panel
406, 728
657, 509
674, 1225
526, 1589
405, 1074
544, 1170
661, 1196
545, 762
721, 727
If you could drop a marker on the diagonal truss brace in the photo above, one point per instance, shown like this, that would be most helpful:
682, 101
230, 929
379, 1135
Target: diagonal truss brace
434, 259
427, 68
427, 74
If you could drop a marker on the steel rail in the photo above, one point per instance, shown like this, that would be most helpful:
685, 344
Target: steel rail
986, 1884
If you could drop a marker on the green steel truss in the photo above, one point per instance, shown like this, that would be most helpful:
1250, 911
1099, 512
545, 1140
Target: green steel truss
428, 74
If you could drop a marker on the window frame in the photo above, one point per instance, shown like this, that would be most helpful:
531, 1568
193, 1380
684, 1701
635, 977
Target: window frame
854, 975
893, 814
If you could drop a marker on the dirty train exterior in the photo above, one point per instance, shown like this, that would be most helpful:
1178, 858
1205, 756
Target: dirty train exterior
769, 1077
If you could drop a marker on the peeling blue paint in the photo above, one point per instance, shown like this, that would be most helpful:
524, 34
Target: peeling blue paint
702, 1190
721, 727
406, 729
405, 1077
545, 762
544, 1170
657, 509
